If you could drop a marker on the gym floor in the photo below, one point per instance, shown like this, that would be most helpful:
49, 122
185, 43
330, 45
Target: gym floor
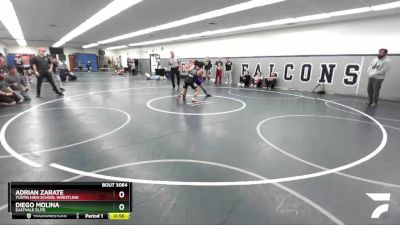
244, 156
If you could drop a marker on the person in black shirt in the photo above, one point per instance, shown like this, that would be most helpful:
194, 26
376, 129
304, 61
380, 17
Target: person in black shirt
228, 71
43, 68
19, 64
89, 66
271, 80
245, 79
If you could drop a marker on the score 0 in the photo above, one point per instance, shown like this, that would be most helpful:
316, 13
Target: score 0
121, 196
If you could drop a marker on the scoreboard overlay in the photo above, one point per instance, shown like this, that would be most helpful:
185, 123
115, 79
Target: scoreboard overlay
77, 200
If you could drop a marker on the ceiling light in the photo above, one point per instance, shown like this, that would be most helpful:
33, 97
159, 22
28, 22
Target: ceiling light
392, 5
225, 31
117, 47
201, 17
271, 23
90, 45
9, 18
311, 17
350, 11
112, 9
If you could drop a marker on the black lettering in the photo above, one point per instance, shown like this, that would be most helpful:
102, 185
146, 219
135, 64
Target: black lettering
258, 69
351, 74
327, 73
288, 76
271, 68
245, 67
306, 77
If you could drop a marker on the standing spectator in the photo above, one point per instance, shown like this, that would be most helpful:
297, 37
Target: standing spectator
17, 83
27, 67
228, 71
2, 62
132, 66
377, 71
270, 81
43, 68
89, 66
218, 72
207, 66
174, 64
128, 62
80, 67
56, 74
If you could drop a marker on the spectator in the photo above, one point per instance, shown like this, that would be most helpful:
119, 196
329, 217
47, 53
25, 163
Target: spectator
56, 74
7, 96
132, 66
156, 77
80, 67
207, 67
17, 84
218, 72
245, 79
2, 61
377, 71
270, 81
257, 80
19, 64
89, 66
228, 71
66, 75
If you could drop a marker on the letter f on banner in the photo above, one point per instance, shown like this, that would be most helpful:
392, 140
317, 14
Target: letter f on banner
379, 197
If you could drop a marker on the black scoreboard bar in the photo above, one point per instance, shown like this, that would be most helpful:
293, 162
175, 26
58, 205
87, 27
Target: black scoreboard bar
78, 200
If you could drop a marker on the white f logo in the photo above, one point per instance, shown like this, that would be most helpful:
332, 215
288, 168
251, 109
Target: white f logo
379, 197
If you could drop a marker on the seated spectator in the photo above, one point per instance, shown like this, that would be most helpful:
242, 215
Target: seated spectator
66, 75
245, 79
271, 80
257, 80
119, 71
17, 83
7, 96
156, 77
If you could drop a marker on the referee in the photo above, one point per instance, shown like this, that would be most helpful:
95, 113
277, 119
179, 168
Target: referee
174, 63
43, 68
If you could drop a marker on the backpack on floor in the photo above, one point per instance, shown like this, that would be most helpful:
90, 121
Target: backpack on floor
319, 89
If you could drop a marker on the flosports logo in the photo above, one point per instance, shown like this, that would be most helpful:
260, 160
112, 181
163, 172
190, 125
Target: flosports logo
379, 197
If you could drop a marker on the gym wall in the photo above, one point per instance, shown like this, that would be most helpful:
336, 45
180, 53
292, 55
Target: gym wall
33, 50
340, 43
83, 59
341, 74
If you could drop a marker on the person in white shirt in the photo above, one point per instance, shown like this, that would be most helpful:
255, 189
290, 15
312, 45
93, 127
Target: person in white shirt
377, 72
175, 64
228, 71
